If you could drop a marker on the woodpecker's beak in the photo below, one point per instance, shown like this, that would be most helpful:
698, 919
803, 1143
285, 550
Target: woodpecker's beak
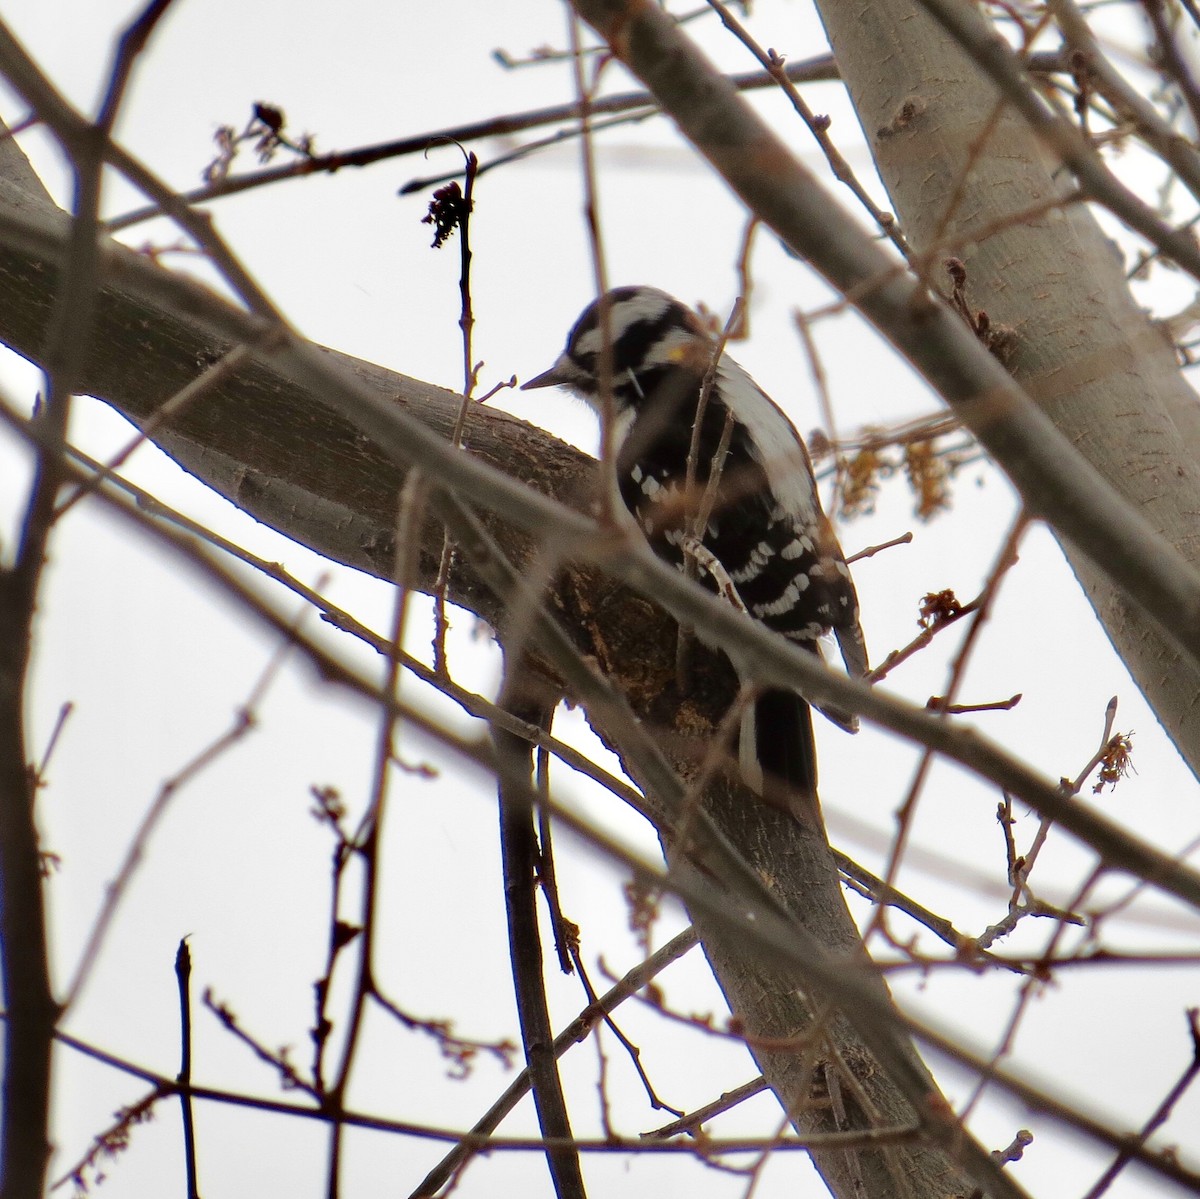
556, 376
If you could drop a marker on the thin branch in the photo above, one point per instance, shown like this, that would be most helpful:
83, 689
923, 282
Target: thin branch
822, 67
277, 1059
519, 852
330, 812
1159, 135
559, 138
474, 1143
585, 95
872, 550
366, 841
872, 887
60, 723
1170, 60
1162, 1113
775, 66
566, 934
183, 974
244, 720
930, 628
463, 204
1004, 562
693, 1121
452, 1165
632, 1050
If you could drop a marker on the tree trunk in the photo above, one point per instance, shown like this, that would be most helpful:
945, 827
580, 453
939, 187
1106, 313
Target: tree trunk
958, 163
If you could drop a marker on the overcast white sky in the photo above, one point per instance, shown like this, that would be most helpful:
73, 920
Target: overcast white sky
156, 663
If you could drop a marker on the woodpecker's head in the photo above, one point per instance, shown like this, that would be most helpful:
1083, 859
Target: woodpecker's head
649, 336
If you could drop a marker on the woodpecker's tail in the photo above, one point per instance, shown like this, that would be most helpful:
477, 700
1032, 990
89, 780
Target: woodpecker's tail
778, 755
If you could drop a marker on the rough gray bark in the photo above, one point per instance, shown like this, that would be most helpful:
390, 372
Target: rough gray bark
1083, 350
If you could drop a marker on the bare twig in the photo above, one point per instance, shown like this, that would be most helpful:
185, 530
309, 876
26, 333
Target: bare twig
1170, 60
1162, 1113
637, 978
635, 1054
695, 553
585, 95
818, 126
110, 1142
243, 723
367, 839
291, 1078
822, 67
566, 933
872, 550
692, 1122
473, 1142
331, 812
60, 723
460, 1052
463, 204
1015, 1149
559, 138
930, 628
1004, 561
183, 973
969, 952
519, 851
